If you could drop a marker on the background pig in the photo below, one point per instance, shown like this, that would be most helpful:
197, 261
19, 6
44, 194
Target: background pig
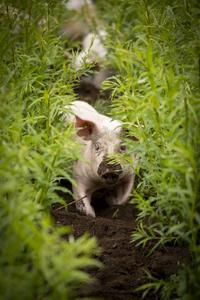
93, 49
101, 137
85, 25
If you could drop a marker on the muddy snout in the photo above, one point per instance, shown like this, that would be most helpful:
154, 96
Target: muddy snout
109, 171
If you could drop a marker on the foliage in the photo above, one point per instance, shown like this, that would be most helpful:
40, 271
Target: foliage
36, 153
155, 50
154, 47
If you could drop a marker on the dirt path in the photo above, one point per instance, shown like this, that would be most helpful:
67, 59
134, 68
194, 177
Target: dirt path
124, 263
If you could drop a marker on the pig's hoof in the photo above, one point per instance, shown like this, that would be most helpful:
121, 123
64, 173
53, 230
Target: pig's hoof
85, 212
91, 213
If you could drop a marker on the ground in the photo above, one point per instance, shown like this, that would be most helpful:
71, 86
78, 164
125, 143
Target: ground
124, 263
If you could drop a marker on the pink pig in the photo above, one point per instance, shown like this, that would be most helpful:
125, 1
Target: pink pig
101, 138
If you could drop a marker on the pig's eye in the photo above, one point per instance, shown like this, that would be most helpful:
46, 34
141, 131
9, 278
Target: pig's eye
122, 148
97, 146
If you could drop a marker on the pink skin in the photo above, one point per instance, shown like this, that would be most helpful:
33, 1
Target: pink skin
100, 136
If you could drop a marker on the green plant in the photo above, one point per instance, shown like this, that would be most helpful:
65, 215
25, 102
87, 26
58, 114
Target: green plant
37, 151
155, 50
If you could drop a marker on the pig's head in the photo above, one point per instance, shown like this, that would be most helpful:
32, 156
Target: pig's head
103, 138
104, 149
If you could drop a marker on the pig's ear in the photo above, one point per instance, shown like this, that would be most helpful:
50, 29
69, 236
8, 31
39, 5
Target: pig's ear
84, 128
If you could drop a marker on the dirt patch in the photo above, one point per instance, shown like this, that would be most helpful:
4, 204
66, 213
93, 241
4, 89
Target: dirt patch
124, 263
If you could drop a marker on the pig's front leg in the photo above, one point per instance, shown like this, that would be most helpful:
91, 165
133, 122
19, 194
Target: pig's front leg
122, 192
83, 198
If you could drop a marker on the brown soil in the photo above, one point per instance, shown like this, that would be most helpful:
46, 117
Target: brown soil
124, 263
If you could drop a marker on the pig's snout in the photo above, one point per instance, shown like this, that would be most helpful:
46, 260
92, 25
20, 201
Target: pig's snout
110, 177
109, 171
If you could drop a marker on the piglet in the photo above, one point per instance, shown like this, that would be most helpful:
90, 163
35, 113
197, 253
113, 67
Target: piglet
101, 137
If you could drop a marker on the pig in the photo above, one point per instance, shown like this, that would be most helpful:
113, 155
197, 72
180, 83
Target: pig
87, 27
93, 49
78, 25
78, 4
101, 137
